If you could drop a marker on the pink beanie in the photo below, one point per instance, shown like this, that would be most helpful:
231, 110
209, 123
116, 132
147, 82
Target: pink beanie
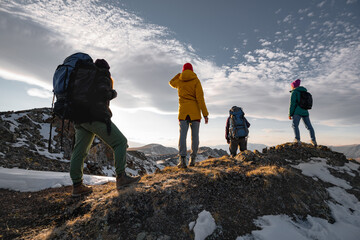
295, 83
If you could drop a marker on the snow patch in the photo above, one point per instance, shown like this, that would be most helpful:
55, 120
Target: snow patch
318, 169
55, 156
33, 181
203, 226
132, 171
13, 120
109, 171
20, 143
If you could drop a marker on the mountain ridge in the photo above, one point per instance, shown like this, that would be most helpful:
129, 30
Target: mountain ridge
24, 144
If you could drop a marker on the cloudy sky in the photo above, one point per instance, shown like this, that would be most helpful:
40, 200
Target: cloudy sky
245, 52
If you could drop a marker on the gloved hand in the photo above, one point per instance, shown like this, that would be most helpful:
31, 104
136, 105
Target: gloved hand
114, 94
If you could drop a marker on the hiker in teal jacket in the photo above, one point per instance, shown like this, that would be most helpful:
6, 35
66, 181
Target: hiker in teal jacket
296, 112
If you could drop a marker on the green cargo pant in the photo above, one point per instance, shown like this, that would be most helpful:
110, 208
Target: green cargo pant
84, 136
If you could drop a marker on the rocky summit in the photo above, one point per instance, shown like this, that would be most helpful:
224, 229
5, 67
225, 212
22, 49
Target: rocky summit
312, 188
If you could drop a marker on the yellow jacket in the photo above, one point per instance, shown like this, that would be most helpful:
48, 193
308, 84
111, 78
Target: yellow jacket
191, 95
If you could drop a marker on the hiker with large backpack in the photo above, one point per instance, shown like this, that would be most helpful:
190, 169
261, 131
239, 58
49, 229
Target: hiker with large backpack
236, 130
191, 105
83, 91
300, 102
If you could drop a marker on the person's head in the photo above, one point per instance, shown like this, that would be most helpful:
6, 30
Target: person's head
295, 83
102, 63
187, 66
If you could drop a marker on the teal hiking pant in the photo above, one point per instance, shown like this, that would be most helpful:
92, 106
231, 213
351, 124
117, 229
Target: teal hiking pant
84, 136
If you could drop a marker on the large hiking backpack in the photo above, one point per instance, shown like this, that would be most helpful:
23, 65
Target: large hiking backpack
238, 127
63, 85
306, 100
81, 90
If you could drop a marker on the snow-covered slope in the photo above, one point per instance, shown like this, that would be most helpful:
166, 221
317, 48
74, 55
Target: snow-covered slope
24, 139
350, 151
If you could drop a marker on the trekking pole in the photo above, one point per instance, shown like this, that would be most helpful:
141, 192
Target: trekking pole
51, 123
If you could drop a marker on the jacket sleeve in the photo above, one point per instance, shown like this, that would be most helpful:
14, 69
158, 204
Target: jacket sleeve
200, 99
227, 128
293, 103
175, 81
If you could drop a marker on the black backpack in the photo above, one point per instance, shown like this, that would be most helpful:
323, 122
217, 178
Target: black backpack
82, 92
306, 100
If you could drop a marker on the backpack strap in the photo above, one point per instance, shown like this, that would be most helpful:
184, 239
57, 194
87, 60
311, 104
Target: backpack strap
246, 127
108, 126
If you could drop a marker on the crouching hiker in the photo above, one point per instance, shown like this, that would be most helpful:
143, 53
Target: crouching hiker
85, 101
236, 130
191, 103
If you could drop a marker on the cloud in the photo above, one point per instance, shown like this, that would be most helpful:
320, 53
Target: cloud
287, 19
41, 93
264, 43
351, 1
272, 130
144, 57
24, 78
321, 4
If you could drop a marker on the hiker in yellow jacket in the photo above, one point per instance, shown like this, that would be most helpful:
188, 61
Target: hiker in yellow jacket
191, 105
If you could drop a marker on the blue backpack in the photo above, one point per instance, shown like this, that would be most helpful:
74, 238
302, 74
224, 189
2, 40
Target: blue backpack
238, 127
63, 72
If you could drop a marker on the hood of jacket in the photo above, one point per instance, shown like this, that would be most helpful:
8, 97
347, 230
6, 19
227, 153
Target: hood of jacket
187, 75
300, 89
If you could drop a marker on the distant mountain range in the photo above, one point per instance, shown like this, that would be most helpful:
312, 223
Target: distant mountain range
350, 151
154, 149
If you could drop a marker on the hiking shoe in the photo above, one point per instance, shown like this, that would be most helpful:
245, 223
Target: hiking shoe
297, 141
182, 162
192, 162
80, 189
314, 143
124, 180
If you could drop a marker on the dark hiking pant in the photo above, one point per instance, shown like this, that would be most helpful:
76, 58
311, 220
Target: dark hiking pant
236, 143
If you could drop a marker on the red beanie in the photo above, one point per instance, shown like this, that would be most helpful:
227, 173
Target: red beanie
187, 66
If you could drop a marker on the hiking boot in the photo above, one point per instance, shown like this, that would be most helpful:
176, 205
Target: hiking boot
192, 162
297, 141
182, 162
80, 189
124, 180
314, 143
